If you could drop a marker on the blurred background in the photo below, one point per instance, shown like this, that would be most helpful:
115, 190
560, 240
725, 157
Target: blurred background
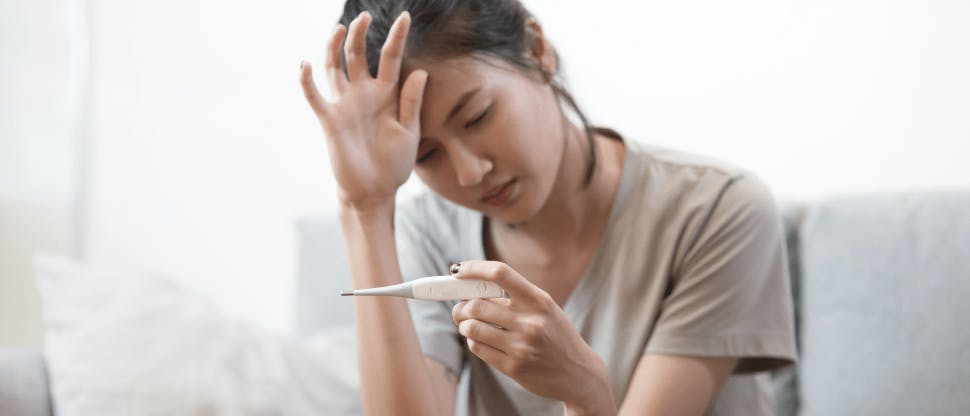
173, 135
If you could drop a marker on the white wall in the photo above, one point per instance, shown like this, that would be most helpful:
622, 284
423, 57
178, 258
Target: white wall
203, 152
819, 97
37, 151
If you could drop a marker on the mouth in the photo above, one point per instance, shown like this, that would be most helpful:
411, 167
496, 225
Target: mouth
498, 195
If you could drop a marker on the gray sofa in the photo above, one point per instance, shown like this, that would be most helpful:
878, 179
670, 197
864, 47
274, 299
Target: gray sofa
23, 384
881, 286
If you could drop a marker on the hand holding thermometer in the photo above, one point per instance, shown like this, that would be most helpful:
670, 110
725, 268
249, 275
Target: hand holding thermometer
435, 288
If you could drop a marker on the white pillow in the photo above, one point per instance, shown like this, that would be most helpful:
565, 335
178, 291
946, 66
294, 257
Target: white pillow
122, 342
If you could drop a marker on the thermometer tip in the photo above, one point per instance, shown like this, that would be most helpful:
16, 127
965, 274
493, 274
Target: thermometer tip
349, 293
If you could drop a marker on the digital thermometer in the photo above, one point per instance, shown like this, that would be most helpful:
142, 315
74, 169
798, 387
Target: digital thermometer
435, 288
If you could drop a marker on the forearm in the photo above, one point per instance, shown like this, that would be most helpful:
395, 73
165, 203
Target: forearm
598, 401
393, 376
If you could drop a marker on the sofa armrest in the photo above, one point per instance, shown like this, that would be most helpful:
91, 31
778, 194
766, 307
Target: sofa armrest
23, 384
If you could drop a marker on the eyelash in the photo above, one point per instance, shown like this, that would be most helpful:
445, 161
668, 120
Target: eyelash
469, 124
479, 118
426, 156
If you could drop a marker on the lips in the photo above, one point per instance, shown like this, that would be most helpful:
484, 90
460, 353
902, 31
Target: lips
497, 193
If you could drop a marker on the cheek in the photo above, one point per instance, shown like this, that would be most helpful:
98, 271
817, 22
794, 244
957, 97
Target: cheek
435, 176
440, 178
525, 136
533, 130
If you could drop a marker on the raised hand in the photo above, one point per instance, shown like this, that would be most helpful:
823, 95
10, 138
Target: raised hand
372, 125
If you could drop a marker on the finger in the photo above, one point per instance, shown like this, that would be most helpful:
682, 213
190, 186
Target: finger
491, 355
514, 284
310, 91
486, 333
335, 69
389, 69
501, 301
487, 310
355, 47
412, 95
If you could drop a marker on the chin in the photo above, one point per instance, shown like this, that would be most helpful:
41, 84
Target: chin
518, 211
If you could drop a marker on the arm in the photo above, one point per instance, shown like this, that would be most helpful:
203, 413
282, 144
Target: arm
732, 284
444, 385
675, 385
395, 376
372, 132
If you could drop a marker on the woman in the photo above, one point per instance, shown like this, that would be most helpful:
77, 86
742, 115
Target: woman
640, 280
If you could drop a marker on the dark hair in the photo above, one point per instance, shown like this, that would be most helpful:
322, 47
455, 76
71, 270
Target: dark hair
448, 28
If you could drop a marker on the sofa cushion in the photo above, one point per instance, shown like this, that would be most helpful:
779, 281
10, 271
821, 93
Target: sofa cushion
322, 273
884, 288
785, 380
23, 384
121, 341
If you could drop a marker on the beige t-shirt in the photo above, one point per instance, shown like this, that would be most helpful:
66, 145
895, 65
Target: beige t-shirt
692, 263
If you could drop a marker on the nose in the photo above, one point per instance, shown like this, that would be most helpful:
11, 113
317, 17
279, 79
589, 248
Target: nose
469, 167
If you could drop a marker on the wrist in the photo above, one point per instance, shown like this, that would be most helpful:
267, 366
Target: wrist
367, 207
595, 399
601, 404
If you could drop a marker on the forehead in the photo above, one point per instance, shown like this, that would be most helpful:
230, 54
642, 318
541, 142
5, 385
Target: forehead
449, 73
451, 78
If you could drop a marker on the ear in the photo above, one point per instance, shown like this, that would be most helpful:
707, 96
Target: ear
541, 50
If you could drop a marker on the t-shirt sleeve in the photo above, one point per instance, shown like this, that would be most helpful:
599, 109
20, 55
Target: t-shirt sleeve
730, 295
417, 257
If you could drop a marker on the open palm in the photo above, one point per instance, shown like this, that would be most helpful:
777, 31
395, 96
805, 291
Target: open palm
372, 129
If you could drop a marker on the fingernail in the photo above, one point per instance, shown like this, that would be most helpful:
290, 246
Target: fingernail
455, 268
301, 64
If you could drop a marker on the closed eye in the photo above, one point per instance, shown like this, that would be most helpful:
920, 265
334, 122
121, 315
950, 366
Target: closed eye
425, 156
469, 124
478, 119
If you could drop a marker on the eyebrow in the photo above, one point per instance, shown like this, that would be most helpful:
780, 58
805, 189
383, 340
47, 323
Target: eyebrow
461, 103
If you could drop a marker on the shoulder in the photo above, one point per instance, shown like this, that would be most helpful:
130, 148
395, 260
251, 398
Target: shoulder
426, 208
691, 181
693, 200
684, 165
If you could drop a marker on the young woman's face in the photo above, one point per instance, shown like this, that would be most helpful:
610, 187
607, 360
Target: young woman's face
491, 138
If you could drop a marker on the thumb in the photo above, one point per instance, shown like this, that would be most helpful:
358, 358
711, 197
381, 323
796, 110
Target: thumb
412, 94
